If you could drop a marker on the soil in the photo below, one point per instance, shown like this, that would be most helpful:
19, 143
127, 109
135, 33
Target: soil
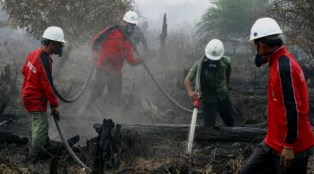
156, 154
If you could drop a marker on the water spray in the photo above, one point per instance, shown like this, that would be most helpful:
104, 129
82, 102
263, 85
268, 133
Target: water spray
196, 105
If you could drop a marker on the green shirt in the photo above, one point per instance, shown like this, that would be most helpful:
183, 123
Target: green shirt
212, 78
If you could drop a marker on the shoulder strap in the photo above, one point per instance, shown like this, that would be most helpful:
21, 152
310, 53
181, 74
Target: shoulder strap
103, 35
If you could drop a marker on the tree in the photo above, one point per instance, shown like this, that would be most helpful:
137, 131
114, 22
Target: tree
296, 17
80, 19
230, 20
163, 36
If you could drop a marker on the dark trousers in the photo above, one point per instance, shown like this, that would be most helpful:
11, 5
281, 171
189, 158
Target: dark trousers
262, 162
103, 79
224, 108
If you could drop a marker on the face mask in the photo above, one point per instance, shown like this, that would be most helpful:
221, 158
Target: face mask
259, 61
58, 51
130, 29
213, 63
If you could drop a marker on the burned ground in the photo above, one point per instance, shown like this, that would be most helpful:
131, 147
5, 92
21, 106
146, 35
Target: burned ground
149, 153
142, 103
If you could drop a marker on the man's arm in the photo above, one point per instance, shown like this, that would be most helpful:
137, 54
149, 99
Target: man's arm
285, 72
130, 56
47, 81
188, 82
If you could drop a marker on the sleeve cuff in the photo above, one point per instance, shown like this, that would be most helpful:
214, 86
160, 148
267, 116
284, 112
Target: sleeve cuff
53, 106
288, 146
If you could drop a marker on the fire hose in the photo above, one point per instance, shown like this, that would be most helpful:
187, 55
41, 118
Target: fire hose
164, 92
71, 100
146, 69
156, 83
67, 146
78, 95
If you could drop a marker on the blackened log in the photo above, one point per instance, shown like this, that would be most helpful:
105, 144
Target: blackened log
11, 116
180, 132
8, 137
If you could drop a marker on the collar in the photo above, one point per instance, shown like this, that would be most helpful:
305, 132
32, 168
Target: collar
275, 55
41, 49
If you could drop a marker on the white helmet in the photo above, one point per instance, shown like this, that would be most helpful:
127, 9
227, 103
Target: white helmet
264, 27
214, 50
131, 17
54, 33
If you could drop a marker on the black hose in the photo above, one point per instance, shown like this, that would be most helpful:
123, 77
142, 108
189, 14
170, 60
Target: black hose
164, 92
79, 94
67, 146
72, 154
155, 81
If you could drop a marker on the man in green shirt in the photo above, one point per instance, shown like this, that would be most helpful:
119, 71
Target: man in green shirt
212, 75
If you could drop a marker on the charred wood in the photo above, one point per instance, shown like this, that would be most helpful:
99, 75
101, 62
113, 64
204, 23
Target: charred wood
108, 148
245, 134
8, 137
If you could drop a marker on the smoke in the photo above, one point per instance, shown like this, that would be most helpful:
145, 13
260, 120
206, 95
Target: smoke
179, 12
141, 101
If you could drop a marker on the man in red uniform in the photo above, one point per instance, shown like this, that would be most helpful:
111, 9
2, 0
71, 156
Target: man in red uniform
38, 87
110, 48
289, 141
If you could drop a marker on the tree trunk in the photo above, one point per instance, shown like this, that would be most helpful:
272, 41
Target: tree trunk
163, 56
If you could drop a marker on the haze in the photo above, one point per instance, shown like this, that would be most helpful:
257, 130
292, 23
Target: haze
178, 11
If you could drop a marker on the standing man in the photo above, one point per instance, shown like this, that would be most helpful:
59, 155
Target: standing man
110, 48
289, 141
38, 87
213, 72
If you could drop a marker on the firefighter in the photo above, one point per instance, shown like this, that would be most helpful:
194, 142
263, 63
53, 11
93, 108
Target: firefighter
38, 87
289, 140
111, 47
139, 37
215, 71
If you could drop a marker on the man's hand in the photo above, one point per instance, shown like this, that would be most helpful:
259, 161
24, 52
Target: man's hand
55, 113
194, 95
287, 158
